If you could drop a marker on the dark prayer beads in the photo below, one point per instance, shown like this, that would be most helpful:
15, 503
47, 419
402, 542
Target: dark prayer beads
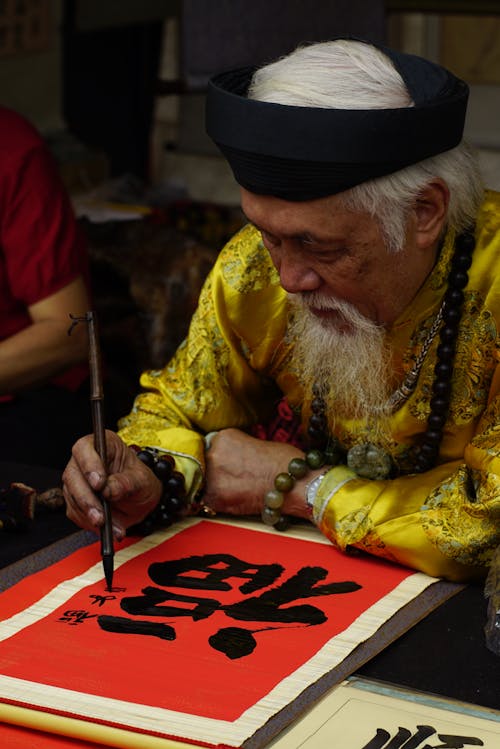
457, 281
173, 501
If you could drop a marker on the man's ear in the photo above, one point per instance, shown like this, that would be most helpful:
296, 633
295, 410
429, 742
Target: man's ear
431, 210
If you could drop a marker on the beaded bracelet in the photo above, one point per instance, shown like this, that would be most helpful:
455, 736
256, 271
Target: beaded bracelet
284, 482
173, 502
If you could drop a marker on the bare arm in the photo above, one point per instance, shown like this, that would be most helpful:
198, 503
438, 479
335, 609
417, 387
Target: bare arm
44, 349
240, 469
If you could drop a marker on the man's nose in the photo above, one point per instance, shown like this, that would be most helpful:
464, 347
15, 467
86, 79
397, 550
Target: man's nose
295, 272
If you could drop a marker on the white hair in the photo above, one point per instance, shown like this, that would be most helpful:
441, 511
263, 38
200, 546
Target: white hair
349, 74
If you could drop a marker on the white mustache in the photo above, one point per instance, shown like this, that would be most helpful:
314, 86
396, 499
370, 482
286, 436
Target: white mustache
309, 300
313, 300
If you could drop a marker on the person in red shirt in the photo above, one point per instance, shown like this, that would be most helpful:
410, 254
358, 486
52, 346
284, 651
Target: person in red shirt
44, 278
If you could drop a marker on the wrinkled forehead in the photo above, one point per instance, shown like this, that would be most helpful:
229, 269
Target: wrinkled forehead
324, 222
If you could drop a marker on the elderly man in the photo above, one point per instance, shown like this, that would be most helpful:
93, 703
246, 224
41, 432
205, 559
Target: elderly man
363, 292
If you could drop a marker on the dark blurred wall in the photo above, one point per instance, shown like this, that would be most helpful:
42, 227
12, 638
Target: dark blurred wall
109, 87
110, 72
220, 34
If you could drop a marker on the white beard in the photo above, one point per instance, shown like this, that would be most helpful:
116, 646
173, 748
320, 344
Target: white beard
348, 358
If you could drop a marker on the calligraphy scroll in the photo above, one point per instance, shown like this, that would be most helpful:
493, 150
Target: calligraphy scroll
215, 633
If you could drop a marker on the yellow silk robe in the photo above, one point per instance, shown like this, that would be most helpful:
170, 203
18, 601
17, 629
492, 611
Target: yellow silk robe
235, 364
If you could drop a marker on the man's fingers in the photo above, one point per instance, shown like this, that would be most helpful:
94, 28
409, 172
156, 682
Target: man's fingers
128, 485
87, 461
82, 505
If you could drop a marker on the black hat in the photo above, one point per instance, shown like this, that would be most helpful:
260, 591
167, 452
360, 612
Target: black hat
303, 153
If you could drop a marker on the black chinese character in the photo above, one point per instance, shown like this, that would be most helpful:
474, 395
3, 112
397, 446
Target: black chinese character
211, 572
101, 600
405, 740
76, 616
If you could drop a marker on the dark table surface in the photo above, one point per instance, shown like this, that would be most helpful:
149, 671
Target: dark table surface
444, 654
48, 526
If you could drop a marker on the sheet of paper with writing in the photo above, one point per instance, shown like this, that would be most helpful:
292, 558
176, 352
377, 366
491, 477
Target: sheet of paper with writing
376, 715
216, 633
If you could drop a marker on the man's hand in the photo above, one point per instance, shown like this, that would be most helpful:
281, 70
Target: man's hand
131, 488
240, 469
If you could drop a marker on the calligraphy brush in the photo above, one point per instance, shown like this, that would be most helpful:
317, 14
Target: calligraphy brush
96, 402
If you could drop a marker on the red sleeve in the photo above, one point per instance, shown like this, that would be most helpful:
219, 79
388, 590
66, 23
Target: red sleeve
40, 241
41, 246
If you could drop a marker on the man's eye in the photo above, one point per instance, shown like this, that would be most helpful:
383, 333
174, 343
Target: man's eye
315, 247
269, 240
328, 254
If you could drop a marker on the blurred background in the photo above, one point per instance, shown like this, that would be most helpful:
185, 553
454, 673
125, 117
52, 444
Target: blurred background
117, 88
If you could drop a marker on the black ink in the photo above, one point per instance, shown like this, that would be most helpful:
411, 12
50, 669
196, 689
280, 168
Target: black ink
212, 572
215, 569
122, 625
405, 740
101, 600
149, 604
457, 742
264, 608
73, 617
233, 642
268, 606
401, 739
379, 740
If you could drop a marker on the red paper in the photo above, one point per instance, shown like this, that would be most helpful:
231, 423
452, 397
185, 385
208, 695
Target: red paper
199, 617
